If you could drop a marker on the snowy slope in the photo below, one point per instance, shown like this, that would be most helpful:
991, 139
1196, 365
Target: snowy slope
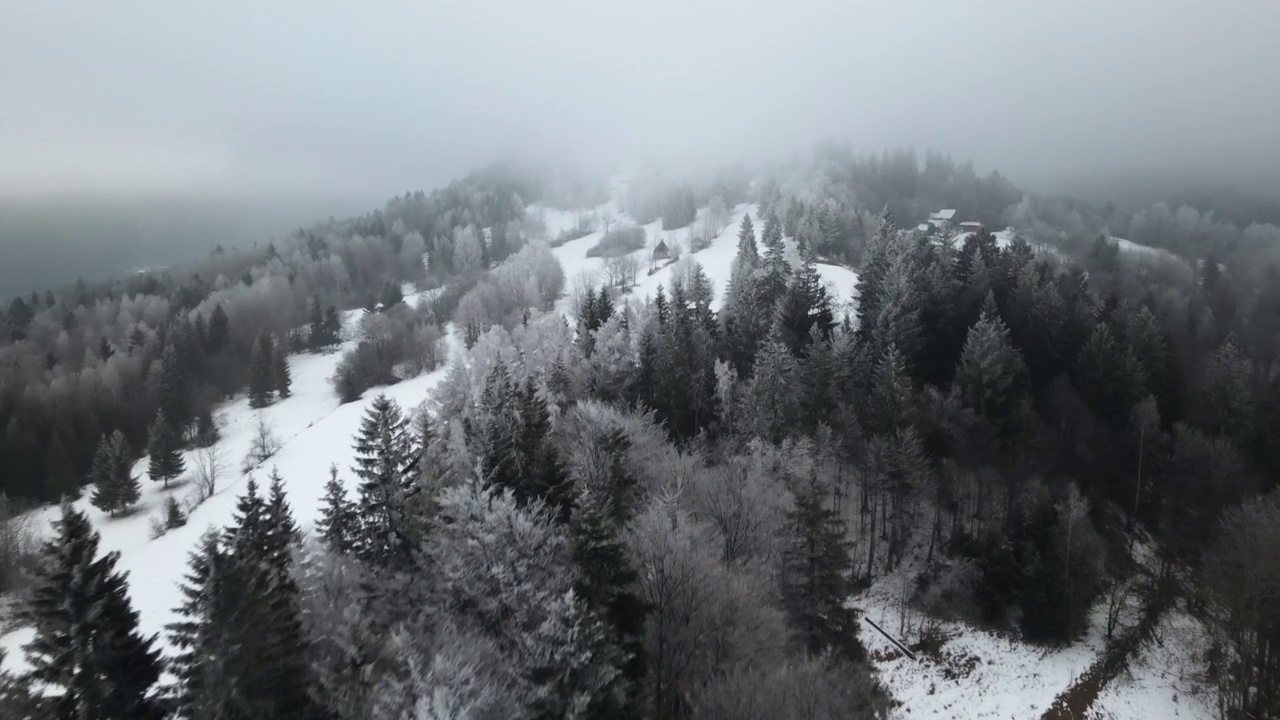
716, 260
314, 431
978, 674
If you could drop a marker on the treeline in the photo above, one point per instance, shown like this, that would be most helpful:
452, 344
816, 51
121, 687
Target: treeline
664, 512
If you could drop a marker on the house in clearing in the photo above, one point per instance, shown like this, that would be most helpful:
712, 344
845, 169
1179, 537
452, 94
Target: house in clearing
971, 226
661, 252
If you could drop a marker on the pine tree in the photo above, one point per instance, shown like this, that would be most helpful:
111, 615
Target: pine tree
173, 515
815, 578
262, 376
776, 271
165, 451
206, 654
115, 488
280, 371
219, 331
804, 305
543, 472
338, 525
748, 253
241, 651
992, 380
247, 537
332, 325
817, 381
315, 323
87, 653
890, 394
1109, 378
104, 351
282, 532
105, 495
607, 584
497, 428
1229, 403
172, 387
772, 392
386, 464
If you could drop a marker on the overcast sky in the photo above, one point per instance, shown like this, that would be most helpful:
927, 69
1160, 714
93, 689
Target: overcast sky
379, 96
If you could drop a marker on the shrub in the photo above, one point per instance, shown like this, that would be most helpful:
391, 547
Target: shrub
617, 243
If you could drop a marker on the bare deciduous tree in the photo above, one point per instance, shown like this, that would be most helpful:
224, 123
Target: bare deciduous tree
621, 272
265, 444
209, 466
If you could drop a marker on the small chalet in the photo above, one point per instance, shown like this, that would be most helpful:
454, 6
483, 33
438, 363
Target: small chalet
945, 215
971, 226
661, 251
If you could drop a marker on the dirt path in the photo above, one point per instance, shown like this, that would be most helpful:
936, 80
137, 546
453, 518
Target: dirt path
1074, 702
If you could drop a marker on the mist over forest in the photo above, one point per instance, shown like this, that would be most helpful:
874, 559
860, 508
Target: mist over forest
674, 360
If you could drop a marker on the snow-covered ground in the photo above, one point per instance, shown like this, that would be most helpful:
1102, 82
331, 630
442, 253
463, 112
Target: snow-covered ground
1162, 678
716, 260
977, 674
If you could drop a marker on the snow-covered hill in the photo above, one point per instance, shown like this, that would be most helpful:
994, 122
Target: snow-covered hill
984, 675
315, 431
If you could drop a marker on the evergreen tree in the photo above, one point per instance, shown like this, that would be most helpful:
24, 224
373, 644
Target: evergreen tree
247, 537
543, 473
748, 253
387, 465
776, 271
115, 488
240, 640
173, 515
607, 584
172, 387
332, 325
817, 381
315, 324
774, 401
339, 521
392, 295
282, 532
219, 332
165, 451
205, 657
87, 653
104, 351
262, 376
1109, 378
890, 394
803, 306
815, 579
992, 379
1229, 405
280, 371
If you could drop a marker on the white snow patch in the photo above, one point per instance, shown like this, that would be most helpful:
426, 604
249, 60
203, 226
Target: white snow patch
981, 674
1162, 680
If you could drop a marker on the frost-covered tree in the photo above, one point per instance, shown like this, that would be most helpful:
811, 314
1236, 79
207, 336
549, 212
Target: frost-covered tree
339, 521
992, 379
387, 459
